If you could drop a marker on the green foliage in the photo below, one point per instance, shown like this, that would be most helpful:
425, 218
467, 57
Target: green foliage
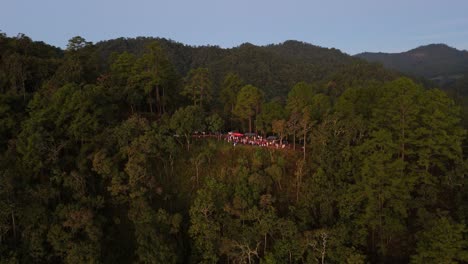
442, 242
187, 120
77, 43
198, 86
271, 112
229, 89
155, 74
204, 228
299, 97
101, 162
248, 103
214, 123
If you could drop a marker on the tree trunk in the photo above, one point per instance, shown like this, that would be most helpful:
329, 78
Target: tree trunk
23, 87
158, 101
187, 137
324, 246
231, 115
201, 96
373, 240
14, 224
294, 140
250, 124
403, 140
304, 147
163, 100
196, 171
381, 221
299, 174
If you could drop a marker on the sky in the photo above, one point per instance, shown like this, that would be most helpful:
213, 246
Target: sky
353, 26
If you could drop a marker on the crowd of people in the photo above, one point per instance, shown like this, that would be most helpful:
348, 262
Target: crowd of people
254, 140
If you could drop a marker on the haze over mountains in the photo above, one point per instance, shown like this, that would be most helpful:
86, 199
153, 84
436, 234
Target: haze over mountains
436, 62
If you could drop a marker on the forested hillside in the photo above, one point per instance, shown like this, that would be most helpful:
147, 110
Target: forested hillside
275, 67
102, 159
437, 62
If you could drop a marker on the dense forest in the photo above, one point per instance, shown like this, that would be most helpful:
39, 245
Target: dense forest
438, 64
100, 161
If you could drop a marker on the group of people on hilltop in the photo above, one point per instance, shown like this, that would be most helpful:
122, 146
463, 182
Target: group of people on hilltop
254, 140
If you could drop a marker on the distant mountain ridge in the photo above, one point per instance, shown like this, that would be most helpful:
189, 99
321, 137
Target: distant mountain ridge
437, 62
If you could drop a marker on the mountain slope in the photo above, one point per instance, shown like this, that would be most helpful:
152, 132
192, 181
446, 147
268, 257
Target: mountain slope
437, 62
274, 68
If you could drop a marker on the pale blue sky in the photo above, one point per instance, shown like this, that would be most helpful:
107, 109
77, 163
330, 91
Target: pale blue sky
352, 26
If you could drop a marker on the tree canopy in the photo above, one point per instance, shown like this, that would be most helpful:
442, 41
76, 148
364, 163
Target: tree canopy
118, 152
